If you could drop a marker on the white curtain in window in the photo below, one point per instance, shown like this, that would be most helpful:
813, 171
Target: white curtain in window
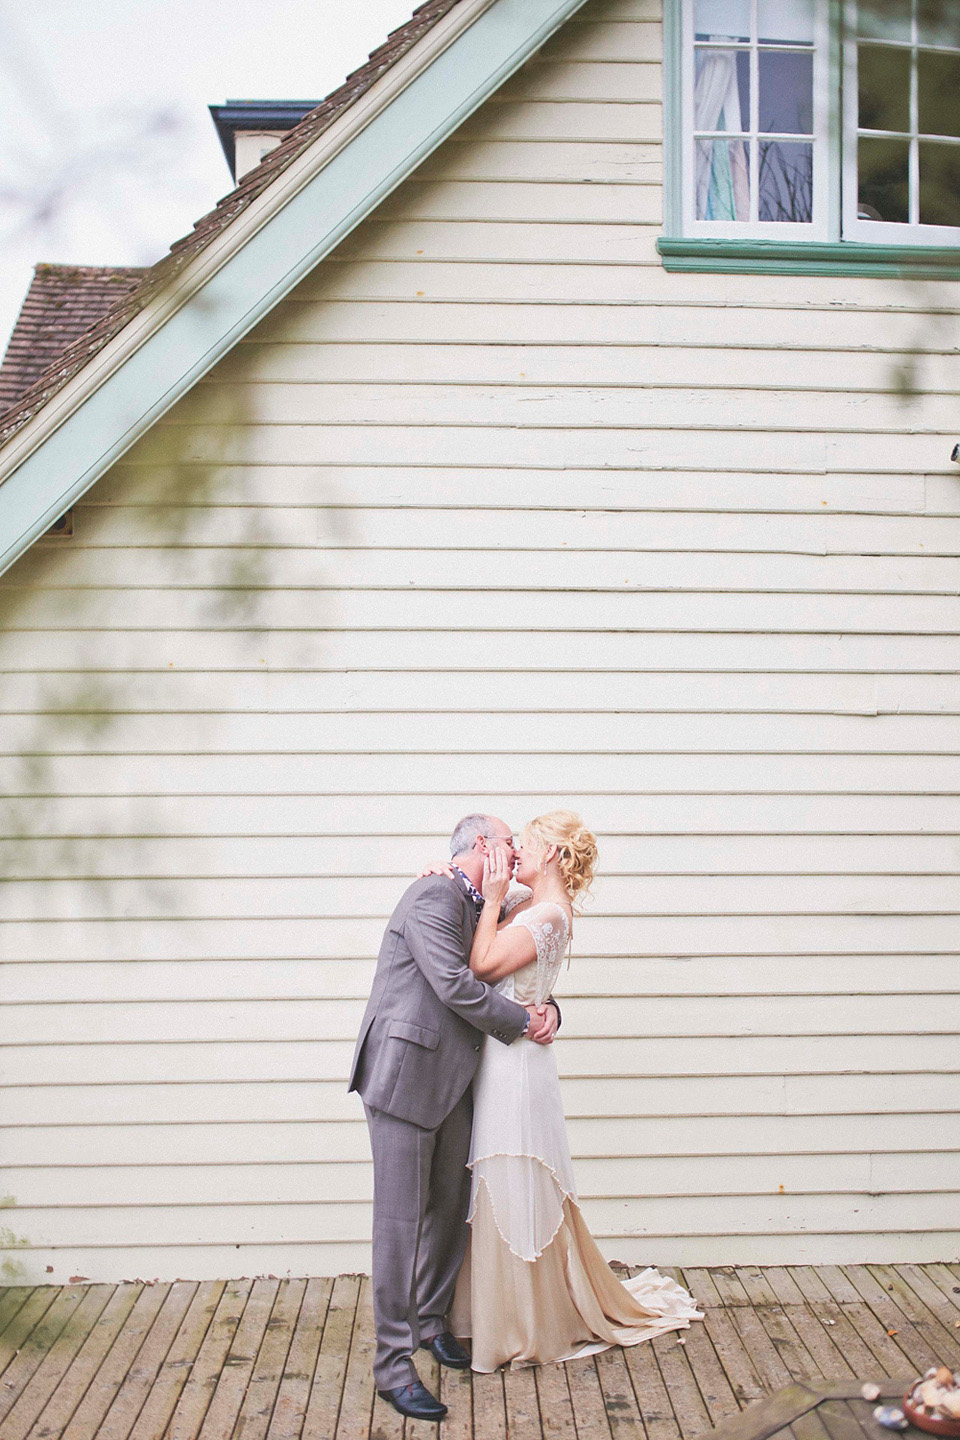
722, 177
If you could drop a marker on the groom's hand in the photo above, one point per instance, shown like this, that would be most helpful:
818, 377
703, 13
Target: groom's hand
544, 1020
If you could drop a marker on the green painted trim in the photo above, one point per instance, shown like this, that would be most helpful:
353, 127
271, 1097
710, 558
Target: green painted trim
672, 116
54, 475
811, 257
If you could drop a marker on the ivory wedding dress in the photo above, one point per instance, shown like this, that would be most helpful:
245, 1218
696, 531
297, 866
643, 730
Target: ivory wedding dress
534, 1287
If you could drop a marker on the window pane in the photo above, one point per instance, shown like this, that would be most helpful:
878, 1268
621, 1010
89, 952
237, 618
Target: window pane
786, 92
938, 23
729, 19
883, 188
883, 76
939, 184
938, 83
721, 91
785, 190
884, 19
723, 182
785, 20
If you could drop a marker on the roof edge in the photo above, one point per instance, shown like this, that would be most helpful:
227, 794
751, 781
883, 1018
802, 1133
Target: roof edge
187, 282
230, 285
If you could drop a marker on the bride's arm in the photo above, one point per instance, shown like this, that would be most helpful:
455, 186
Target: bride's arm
498, 952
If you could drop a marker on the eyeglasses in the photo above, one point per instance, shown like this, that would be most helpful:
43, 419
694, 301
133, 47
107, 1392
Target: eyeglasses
501, 839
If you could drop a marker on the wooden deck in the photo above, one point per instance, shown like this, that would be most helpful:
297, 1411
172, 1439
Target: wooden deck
269, 1359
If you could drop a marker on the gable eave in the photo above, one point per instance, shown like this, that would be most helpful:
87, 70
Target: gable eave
234, 283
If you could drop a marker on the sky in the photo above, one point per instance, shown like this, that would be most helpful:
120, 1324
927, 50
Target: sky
108, 151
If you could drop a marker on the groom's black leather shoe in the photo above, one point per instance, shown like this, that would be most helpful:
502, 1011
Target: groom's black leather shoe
414, 1400
447, 1349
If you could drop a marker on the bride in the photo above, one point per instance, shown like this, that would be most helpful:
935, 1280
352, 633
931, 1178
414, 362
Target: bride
534, 1286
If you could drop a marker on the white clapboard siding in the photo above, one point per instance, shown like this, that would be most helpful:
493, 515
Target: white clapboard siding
616, 896
351, 816
399, 857
925, 537
493, 513
417, 487
69, 656
235, 606
207, 1060
31, 982
297, 1141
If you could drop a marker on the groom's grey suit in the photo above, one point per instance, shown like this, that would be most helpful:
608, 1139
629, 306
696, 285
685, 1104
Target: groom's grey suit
418, 1049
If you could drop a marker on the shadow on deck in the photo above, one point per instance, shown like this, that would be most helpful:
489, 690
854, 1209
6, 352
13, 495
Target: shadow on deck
269, 1359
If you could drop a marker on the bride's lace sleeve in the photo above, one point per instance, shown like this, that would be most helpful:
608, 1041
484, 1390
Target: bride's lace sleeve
550, 929
515, 896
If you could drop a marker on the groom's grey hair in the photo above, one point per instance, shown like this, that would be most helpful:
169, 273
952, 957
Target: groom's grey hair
465, 835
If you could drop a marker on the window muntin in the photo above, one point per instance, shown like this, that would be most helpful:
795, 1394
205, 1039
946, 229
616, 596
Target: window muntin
755, 153
901, 170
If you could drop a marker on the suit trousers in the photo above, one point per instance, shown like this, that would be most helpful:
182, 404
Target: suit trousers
421, 1192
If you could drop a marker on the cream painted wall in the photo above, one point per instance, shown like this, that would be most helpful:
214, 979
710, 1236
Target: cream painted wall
495, 513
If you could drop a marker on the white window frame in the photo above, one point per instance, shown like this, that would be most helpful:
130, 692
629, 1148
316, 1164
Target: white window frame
882, 232
825, 168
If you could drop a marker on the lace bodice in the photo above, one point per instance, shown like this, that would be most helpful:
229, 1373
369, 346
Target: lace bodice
550, 928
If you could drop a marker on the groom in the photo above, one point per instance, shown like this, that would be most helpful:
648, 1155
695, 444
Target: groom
416, 1054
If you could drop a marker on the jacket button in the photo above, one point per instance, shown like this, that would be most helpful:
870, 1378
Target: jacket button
476, 1047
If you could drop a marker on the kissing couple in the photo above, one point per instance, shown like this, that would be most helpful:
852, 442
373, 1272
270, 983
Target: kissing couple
477, 1229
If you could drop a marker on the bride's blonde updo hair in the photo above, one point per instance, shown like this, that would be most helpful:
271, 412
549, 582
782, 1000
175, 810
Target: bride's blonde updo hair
576, 847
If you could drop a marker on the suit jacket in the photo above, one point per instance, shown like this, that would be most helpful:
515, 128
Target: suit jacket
419, 1044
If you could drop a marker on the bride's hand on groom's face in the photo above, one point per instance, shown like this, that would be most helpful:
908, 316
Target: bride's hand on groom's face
496, 876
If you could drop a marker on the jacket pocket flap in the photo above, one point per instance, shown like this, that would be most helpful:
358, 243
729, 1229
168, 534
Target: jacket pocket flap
419, 1034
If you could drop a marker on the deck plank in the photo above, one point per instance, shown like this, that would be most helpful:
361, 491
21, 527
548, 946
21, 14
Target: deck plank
56, 1361
680, 1381
940, 1278
111, 1374
11, 1299
589, 1411
741, 1376
428, 1368
257, 1405
356, 1407
142, 1374
168, 1381
69, 1392
818, 1339
37, 1344
714, 1387
292, 1360
521, 1404
891, 1358
456, 1394
653, 1401
556, 1406
912, 1299
889, 1313
619, 1400
28, 1317
290, 1408
230, 1385
769, 1365
489, 1412
789, 1345
830, 1313
323, 1402
195, 1397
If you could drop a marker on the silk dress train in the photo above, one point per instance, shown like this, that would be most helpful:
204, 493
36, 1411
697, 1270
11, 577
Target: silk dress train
534, 1287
